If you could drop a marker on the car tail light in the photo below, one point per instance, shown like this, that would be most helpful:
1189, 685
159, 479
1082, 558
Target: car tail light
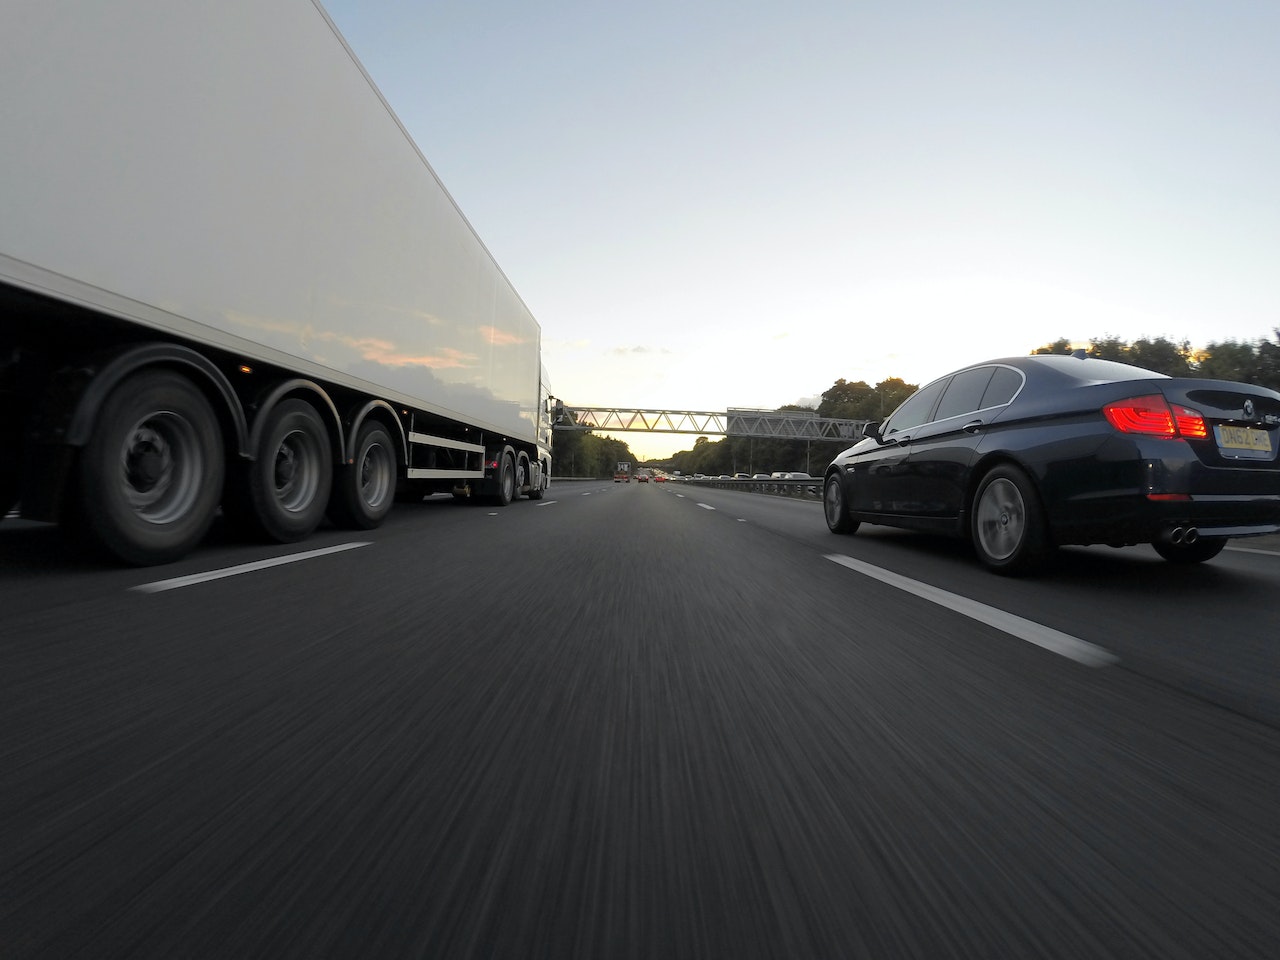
1190, 423
1152, 415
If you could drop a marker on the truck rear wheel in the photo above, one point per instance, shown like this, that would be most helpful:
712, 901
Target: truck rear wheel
151, 475
366, 489
289, 481
10, 477
540, 488
506, 481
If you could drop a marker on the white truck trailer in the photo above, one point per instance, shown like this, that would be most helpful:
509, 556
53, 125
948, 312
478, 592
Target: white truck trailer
228, 278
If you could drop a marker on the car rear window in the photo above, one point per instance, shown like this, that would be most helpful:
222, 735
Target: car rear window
1091, 370
964, 394
1003, 386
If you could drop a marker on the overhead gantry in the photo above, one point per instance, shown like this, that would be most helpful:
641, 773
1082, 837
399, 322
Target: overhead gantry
734, 422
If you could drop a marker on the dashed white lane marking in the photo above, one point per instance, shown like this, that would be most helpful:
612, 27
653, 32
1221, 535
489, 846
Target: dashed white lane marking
742, 519
547, 503
680, 495
706, 506
1055, 641
158, 586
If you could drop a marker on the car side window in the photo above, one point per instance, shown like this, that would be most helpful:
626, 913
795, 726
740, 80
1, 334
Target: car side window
964, 395
915, 410
1003, 387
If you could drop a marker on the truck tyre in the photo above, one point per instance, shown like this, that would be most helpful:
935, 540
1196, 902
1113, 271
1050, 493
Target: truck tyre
506, 482
11, 461
365, 490
289, 481
540, 490
522, 476
150, 478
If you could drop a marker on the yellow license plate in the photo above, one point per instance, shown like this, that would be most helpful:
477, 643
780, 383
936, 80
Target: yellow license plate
1243, 438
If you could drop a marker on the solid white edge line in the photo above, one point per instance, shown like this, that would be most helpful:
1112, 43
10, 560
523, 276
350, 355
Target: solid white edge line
158, 586
1265, 553
1055, 641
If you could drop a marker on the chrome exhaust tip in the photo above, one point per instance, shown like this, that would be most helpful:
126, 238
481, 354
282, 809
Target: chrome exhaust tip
1190, 535
1175, 535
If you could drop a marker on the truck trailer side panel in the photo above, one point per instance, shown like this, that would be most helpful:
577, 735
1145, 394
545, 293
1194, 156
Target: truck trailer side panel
226, 171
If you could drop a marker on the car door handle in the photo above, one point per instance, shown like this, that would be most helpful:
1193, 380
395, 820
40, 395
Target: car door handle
973, 426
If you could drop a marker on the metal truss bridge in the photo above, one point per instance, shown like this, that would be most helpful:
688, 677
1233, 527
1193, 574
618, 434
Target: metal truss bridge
735, 422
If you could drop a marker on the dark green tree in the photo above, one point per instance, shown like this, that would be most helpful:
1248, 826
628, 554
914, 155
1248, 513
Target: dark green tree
1060, 347
1228, 360
1109, 348
1162, 356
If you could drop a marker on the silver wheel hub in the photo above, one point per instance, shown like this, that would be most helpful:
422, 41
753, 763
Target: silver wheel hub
1001, 519
161, 467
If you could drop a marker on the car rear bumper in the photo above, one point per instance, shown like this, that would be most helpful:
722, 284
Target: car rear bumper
1138, 518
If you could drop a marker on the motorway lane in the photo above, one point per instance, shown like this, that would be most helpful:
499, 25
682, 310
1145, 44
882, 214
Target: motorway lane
1208, 629
658, 731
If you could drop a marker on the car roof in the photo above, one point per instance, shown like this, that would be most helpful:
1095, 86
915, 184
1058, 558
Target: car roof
1080, 369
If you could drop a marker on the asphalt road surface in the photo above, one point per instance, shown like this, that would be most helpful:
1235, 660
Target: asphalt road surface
636, 721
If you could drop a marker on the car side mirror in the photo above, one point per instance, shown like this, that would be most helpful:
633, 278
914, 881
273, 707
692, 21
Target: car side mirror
872, 430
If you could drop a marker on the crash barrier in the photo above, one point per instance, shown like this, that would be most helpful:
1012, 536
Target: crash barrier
808, 489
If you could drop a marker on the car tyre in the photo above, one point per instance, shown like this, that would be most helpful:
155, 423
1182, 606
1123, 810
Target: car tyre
1008, 527
835, 506
1206, 548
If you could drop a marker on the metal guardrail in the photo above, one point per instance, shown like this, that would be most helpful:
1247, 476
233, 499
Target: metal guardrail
810, 489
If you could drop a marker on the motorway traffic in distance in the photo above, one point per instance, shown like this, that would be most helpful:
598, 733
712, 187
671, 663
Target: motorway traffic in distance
722, 732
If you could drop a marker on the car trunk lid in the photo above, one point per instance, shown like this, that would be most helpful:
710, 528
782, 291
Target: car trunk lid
1242, 422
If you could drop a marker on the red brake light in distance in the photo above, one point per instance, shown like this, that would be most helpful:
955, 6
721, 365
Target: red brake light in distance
1152, 415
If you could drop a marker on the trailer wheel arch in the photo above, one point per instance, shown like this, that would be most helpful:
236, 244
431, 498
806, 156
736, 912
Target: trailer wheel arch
385, 414
195, 366
300, 389
365, 484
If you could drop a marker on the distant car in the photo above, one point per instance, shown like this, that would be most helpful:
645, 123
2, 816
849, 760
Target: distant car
1028, 453
742, 476
643, 478
761, 476
660, 479
724, 476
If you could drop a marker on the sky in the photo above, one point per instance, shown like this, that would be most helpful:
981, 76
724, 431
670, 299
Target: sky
712, 204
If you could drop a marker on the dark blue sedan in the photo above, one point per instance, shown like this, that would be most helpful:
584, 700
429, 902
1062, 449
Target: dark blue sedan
1028, 453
